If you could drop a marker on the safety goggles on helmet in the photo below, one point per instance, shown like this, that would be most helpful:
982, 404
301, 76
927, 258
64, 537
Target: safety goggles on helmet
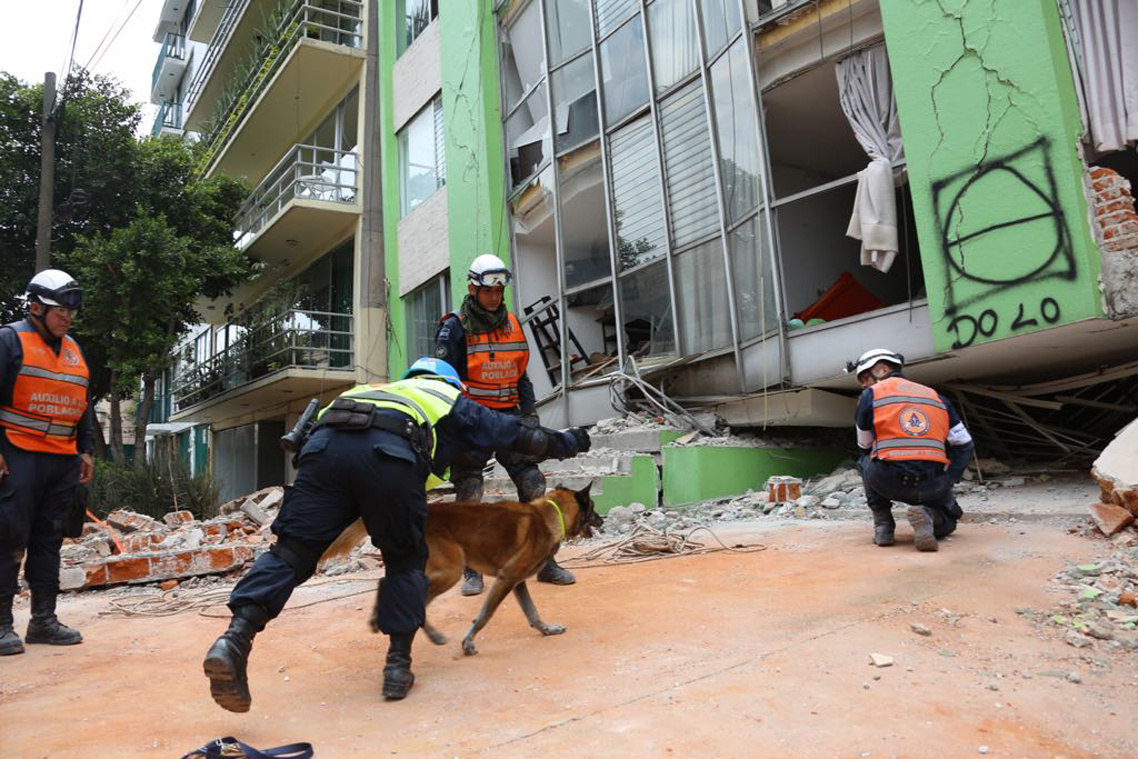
870, 358
492, 278
53, 287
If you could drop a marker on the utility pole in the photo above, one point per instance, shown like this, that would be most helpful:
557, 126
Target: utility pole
47, 175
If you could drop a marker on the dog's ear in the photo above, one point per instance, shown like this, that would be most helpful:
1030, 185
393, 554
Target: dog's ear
584, 492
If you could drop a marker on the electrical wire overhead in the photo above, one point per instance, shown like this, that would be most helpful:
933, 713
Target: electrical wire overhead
105, 44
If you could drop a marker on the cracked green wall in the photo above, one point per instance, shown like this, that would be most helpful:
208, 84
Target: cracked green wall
472, 127
990, 123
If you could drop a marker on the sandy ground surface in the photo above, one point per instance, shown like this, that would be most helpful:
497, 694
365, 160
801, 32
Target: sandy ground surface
748, 653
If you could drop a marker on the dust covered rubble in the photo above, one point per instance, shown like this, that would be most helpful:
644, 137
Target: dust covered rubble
135, 549
1100, 605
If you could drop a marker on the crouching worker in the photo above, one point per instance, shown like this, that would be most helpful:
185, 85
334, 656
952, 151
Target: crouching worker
916, 448
373, 453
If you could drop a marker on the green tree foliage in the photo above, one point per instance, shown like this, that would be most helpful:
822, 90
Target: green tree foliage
150, 240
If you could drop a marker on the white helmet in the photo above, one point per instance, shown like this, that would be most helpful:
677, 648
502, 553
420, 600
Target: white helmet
488, 271
871, 357
53, 287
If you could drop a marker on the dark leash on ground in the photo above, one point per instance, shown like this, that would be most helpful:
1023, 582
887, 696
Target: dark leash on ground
231, 747
645, 543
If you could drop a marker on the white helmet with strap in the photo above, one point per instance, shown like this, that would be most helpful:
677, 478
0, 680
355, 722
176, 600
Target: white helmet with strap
489, 271
53, 287
870, 358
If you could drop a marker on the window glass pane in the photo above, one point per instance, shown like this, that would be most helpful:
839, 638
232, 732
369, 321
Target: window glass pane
701, 297
417, 159
440, 139
416, 15
675, 44
636, 195
687, 161
523, 54
584, 233
351, 120
623, 73
754, 283
647, 311
575, 103
527, 137
720, 22
568, 24
611, 12
737, 128
425, 308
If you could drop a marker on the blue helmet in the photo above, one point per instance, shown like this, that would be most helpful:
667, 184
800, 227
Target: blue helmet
436, 367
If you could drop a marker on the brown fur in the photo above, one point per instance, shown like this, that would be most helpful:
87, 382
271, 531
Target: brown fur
509, 540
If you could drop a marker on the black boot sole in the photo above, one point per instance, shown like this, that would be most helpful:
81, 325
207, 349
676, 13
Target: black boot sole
12, 648
397, 690
229, 690
49, 641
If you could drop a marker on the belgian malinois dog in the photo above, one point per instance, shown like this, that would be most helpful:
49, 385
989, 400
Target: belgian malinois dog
509, 540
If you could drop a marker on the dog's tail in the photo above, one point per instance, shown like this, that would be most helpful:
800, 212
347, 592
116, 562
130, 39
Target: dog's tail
351, 537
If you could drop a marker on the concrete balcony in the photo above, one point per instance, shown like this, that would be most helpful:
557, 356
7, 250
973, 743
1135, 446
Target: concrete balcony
291, 355
233, 34
308, 201
168, 69
207, 17
315, 57
168, 120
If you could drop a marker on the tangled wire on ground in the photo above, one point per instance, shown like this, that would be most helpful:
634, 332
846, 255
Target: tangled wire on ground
645, 543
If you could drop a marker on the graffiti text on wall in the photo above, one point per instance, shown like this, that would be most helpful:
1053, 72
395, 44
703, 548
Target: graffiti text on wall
1001, 229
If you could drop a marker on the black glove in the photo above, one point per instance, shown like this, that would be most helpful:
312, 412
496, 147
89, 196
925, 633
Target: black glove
580, 438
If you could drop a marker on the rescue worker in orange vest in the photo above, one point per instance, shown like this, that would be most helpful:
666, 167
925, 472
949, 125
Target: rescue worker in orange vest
484, 341
916, 448
46, 439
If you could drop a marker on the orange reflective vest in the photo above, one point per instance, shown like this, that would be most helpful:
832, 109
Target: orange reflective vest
495, 361
49, 396
910, 422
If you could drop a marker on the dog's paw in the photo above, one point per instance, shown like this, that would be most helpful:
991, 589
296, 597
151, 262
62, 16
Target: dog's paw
468, 647
552, 629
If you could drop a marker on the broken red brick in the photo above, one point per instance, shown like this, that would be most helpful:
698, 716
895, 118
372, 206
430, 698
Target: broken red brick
1110, 518
127, 569
175, 518
1126, 598
168, 584
129, 521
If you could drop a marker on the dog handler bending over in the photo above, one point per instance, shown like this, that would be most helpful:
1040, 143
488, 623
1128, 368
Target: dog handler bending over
484, 341
915, 446
372, 453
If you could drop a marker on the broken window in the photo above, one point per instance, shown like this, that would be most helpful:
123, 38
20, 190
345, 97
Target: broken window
751, 274
701, 298
735, 127
623, 71
567, 23
575, 103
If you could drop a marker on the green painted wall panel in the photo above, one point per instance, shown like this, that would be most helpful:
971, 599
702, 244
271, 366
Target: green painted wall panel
640, 486
990, 123
696, 473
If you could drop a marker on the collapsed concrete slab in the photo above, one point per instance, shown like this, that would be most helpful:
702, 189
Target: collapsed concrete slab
1117, 470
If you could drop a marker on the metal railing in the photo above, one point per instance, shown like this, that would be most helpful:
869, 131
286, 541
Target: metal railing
294, 338
173, 47
306, 171
217, 43
169, 116
304, 20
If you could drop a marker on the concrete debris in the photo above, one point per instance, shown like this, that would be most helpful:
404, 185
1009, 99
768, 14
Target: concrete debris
1099, 609
881, 660
1110, 519
1116, 470
174, 548
920, 629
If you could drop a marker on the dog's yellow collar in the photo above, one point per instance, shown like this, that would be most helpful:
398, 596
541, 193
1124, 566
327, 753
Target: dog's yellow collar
553, 503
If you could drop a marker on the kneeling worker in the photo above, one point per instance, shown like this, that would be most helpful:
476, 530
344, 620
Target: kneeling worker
372, 454
916, 448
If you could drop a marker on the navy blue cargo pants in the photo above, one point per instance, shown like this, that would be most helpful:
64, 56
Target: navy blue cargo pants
344, 474
885, 482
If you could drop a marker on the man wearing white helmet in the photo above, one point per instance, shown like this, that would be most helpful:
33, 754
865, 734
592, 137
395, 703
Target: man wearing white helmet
484, 341
915, 446
46, 439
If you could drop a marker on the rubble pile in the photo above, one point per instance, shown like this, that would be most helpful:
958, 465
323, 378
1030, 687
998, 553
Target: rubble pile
1117, 473
177, 547
1101, 610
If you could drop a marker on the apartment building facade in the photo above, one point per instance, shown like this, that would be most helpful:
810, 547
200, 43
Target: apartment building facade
730, 198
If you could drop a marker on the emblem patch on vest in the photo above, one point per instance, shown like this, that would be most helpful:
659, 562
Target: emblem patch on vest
914, 421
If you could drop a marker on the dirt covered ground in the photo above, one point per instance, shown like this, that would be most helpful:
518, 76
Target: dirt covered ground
733, 653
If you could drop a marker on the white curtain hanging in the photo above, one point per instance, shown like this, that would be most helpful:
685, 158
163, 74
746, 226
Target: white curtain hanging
866, 93
1107, 33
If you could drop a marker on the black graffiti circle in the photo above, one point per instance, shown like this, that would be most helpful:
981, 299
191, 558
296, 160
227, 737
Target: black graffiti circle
1051, 211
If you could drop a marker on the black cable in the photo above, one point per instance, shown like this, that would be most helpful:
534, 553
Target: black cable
100, 51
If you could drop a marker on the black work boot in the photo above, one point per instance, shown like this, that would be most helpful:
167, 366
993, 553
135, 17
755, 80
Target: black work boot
397, 676
922, 522
471, 582
883, 526
228, 658
44, 626
554, 573
10, 642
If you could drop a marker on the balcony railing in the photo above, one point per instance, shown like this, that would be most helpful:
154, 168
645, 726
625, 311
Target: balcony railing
169, 116
221, 36
173, 47
307, 172
303, 19
292, 339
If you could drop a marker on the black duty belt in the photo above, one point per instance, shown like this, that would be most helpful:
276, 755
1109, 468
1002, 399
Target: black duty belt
403, 426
